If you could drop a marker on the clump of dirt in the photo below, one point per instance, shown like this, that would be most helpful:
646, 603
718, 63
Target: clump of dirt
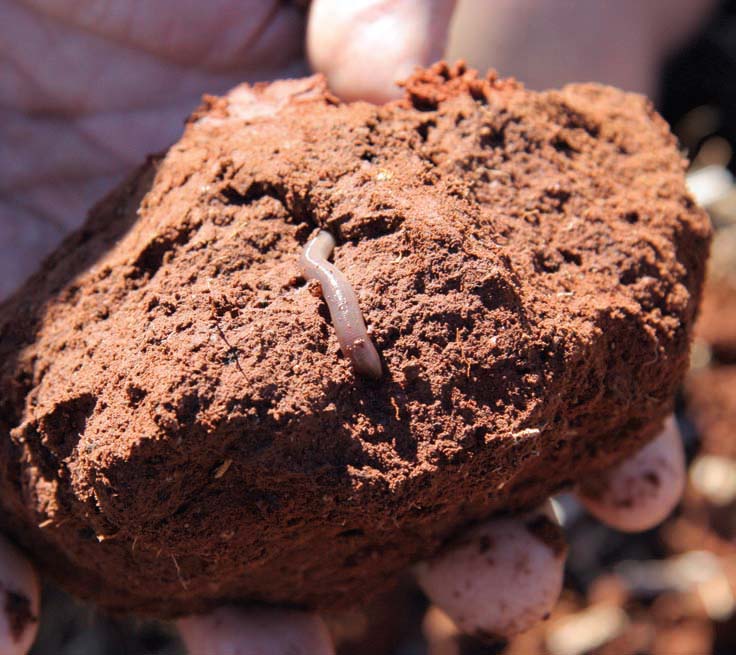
179, 427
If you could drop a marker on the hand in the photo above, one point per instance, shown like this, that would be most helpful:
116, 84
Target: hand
497, 580
91, 87
500, 579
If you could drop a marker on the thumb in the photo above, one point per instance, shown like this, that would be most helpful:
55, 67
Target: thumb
365, 46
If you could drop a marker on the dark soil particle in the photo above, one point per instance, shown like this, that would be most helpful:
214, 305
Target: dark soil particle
18, 612
532, 333
548, 533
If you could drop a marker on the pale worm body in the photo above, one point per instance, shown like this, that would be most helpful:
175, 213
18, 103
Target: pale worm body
342, 302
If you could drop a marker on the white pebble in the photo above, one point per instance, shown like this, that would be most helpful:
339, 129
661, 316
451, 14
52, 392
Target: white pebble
20, 597
715, 478
504, 577
234, 631
582, 632
640, 492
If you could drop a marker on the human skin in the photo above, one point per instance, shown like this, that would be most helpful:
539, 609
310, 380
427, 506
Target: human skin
548, 43
89, 87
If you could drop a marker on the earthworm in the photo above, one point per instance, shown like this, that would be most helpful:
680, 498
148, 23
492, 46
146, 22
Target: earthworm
342, 302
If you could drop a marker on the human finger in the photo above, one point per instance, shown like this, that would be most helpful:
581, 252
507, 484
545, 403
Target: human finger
502, 578
21, 593
365, 46
641, 491
230, 630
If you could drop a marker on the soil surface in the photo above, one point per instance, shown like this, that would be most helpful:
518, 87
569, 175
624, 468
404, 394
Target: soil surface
179, 426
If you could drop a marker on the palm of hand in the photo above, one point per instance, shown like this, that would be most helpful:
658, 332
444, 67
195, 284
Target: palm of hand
106, 83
